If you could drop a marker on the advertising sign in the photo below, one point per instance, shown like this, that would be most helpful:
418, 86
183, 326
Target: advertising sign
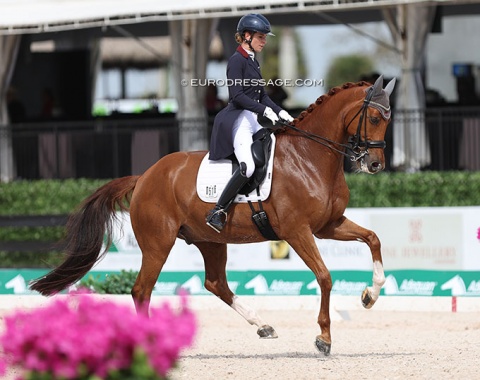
433, 238
426, 252
351, 283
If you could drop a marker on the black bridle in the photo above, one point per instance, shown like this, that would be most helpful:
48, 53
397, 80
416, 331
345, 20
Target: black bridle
356, 145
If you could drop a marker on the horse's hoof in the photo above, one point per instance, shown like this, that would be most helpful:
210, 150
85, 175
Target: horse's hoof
267, 332
323, 346
367, 300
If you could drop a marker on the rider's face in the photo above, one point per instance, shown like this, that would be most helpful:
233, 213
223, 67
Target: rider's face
259, 41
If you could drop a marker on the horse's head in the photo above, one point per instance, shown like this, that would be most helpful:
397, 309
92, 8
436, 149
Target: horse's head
366, 127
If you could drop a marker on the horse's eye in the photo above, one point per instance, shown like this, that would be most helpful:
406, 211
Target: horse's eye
374, 120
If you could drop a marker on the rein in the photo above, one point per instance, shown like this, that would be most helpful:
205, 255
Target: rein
355, 142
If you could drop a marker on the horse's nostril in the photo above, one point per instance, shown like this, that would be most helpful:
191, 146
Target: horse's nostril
376, 166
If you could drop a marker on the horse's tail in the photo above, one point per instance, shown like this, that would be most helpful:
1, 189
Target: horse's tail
85, 233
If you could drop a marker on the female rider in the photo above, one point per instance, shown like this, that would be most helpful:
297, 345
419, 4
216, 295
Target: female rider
235, 125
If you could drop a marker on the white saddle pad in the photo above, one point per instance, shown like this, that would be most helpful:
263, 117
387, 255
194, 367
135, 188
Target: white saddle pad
213, 176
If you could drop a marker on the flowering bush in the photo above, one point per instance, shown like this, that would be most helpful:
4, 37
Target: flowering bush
79, 337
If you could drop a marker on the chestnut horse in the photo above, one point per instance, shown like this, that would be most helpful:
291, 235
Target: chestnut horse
308, 198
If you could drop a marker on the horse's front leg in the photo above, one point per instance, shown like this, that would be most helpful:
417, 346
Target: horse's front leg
305, 246
215, 258
346, 230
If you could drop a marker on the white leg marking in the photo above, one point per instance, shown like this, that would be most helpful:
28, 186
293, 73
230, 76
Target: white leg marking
246, 312
378, 279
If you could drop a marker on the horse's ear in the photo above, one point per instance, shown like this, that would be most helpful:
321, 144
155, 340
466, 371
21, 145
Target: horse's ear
389, 87
378, 86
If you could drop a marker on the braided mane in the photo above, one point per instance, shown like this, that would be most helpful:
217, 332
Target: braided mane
330, 93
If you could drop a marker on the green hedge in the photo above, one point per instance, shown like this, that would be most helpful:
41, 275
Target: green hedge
121, 283
423, 189
381, 190
45, 197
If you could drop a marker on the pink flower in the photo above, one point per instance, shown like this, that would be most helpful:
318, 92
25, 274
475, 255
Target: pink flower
81, 332
3, 368
478, 233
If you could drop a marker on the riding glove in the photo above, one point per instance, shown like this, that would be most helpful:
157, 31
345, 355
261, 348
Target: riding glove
268, 113
285, 116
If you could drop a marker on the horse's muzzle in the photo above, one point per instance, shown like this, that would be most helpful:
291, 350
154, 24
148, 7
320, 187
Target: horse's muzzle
370, 163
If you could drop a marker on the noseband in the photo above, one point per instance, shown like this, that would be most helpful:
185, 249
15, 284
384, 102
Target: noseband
356, 145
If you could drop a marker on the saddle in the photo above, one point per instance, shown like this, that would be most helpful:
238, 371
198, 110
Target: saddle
256, 189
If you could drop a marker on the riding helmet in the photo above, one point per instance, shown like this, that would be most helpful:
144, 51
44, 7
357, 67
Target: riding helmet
254, 22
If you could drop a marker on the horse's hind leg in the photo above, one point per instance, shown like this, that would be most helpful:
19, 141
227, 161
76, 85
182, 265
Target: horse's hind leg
215, 258
155, 252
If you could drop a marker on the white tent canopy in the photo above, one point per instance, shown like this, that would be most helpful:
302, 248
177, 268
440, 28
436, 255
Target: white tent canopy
38, 16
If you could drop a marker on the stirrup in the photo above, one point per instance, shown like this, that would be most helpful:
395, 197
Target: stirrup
216, 219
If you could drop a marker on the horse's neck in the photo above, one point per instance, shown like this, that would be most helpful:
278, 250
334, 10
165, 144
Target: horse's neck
319, 159
327, 124
327, 118
299, 154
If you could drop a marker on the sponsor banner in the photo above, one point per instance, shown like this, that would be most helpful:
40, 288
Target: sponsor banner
398, 283
15, 281
125, 254
433, 238
420, 239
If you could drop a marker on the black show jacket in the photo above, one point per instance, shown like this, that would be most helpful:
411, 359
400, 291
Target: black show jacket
246, 92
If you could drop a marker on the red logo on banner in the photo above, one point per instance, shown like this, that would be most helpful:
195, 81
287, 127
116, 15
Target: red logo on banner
415, 231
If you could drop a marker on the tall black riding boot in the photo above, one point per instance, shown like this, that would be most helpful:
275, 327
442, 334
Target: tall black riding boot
217, 217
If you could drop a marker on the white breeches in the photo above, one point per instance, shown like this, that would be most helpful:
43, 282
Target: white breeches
244, 128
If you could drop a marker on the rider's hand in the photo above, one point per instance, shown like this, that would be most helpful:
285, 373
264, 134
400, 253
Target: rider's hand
268, 113
285, 116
